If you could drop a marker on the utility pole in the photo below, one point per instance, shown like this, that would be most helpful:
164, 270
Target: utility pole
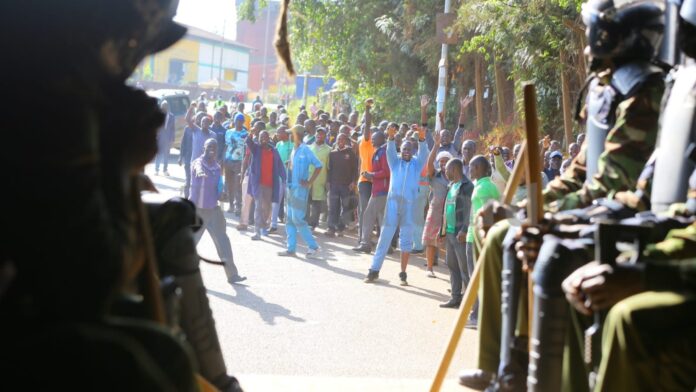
304, 89
265, 51
442, 79
222, 50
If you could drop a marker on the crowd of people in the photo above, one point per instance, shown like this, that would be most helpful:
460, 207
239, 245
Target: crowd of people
395, 185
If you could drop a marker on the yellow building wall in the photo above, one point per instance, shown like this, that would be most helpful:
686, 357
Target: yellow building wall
186, 50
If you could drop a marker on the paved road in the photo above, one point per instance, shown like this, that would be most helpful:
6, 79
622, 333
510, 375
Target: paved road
313, 325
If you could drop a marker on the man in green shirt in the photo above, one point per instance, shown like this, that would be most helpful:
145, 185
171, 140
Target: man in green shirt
317, 195
484, 190
455, 225
284, 147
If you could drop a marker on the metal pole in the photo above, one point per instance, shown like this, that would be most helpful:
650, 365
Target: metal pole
265, 52
442, 79
222, 50
304, 89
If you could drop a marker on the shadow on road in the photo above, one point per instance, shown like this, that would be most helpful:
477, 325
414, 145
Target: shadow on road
268, 311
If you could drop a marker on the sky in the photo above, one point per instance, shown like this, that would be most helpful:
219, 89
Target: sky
210, 15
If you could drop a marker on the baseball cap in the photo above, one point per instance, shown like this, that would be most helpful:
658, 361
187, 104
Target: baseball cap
556, 154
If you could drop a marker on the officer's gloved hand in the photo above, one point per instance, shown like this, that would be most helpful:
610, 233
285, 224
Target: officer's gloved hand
529, 239
491, 213
595, 286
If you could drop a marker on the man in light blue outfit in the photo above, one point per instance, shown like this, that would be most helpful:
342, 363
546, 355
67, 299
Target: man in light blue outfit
401, 201
299, 184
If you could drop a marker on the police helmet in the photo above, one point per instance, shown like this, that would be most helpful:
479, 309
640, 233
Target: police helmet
624, 28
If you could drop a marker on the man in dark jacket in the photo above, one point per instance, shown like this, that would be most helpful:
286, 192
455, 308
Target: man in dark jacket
455, 224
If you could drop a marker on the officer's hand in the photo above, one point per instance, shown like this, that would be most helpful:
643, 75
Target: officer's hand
461, 237
598, 286
529, 240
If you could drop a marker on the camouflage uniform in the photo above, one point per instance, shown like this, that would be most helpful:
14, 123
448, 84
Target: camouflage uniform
649, 341
628, 147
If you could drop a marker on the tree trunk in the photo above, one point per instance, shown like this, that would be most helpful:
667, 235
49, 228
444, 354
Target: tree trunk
500, 91
478, 71
565, 94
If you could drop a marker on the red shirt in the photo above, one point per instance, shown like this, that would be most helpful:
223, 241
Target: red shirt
267, 167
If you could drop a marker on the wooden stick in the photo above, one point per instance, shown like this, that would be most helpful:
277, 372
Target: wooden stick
471, 293
535, 207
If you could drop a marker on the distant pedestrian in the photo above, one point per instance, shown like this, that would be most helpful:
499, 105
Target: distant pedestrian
342, 175
205, 193
165, 138
234, 155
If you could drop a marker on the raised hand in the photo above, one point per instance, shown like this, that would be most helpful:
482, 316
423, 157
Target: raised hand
465, 101
436, 138
425, 101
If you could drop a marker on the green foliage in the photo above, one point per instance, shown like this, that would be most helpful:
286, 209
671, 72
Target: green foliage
387, 49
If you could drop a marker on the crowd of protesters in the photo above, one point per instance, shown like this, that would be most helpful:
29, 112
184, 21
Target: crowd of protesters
394, 185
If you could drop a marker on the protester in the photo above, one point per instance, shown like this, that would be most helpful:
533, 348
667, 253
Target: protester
454, 227
317, 195
379, 176
205, 193
438, 182
573, 151
365, 151
165, 138
284, 148
220, 132
468, 152
267, 175
342, 176
299, 183
403, 190
234, 155
554, 169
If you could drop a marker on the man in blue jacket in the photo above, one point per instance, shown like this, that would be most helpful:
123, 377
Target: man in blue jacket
401, 198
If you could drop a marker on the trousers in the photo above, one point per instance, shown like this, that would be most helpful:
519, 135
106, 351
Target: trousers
456, 263
374, 214
214, 222
419, 216
262, 212
340, 212
296, 223
232, 183
364, 194
278, 207
399, 213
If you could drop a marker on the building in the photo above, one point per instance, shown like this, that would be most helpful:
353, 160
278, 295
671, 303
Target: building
199, 58
264, 70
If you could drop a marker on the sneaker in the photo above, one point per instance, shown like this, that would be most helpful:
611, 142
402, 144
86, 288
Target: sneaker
417, 251
451, 304
241, 227
237, 279
287, 253
471, 324
264, 232
430, 274
363, 249
256, 237
166, 173
312, 253
272, 230
402, 277
372, 276
330, 233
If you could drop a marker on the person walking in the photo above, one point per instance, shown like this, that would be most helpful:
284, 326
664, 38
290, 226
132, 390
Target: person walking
234, 155
186, 157
284, 148
299, 183
205, 192
365, 152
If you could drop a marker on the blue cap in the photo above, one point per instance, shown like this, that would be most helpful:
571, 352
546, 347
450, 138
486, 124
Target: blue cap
556, 154
239, 117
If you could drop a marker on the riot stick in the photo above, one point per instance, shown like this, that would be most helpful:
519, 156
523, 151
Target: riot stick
471, 293
535, 207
